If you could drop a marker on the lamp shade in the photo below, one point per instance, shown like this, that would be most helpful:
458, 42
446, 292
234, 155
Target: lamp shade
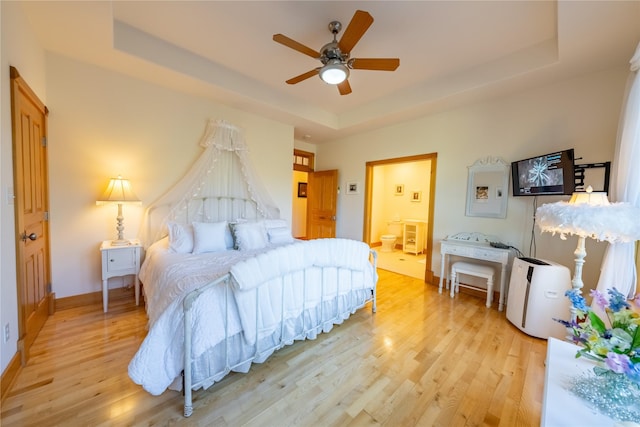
334, 72
590, 214
118, 191
590, 198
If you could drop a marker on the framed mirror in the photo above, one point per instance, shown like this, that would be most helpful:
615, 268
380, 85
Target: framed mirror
488, 188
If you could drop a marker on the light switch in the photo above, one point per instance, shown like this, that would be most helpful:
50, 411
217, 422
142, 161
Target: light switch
10, 195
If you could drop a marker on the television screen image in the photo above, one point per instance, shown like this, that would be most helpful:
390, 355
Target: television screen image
544, 175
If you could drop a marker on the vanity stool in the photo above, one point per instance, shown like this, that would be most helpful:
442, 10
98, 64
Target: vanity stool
472, 269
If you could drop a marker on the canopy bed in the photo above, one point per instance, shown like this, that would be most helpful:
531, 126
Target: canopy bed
225, 283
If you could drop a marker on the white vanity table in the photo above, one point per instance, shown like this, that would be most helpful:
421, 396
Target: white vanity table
476, 246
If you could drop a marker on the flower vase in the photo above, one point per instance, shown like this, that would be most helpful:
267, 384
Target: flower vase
614, 395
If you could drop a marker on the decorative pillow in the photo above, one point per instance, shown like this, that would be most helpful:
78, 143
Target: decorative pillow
228, 237
275, 223
250, 235
180, 237
209, 237
232, 229
280, 235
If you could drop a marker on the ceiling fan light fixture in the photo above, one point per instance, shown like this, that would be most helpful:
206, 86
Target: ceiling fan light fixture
334, 72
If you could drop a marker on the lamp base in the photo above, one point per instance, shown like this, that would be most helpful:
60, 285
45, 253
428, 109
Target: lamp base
120, 242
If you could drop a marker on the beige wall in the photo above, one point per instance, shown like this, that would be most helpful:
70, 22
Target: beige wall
581, 113
104, 124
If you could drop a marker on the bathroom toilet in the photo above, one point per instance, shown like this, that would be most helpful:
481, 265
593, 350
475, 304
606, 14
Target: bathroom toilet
388, 242
394, 229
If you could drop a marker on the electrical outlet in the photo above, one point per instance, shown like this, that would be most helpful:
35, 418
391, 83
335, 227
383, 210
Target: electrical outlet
6, 333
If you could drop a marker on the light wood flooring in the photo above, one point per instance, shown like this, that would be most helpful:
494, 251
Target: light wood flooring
423, 359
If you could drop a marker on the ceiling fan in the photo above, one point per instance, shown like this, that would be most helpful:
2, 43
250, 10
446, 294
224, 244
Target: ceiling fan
335, 56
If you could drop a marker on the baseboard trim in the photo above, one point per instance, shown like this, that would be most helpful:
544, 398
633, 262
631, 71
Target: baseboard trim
78, 301
9, 375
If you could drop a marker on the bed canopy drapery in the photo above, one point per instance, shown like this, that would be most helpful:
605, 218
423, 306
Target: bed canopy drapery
220, 185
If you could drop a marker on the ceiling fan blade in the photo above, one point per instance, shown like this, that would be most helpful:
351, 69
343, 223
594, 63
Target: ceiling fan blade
378, 64
359, 24
282, 39
344, 88
303, 76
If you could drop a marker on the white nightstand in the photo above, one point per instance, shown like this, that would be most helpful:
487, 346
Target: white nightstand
119, 261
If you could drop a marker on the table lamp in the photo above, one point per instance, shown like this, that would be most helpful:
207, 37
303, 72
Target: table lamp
119, 192
589, 214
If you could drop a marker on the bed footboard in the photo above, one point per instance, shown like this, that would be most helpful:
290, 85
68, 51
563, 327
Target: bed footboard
335, 302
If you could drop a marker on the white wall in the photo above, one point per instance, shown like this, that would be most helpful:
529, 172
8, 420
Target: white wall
581, 113
21, 50
103, 124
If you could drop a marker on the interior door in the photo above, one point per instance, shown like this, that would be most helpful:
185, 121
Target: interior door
322, 202
29, 124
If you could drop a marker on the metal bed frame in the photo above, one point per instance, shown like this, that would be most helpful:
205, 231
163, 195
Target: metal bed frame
213, 208
227, 282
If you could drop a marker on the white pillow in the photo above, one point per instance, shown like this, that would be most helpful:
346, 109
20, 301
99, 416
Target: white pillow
275, 223
209, 237
180, 237
280, 235
250, 235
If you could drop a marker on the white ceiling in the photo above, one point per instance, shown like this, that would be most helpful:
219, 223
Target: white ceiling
451, 52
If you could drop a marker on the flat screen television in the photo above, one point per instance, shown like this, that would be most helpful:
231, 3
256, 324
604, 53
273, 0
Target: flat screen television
550, 174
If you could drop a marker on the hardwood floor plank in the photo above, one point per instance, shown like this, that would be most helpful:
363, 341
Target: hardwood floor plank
424, 359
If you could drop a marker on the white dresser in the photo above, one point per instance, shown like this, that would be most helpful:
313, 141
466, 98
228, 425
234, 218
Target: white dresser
475, 246
560, 407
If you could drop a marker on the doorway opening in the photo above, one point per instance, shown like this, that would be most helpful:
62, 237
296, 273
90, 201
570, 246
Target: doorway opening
303, 163
399, 201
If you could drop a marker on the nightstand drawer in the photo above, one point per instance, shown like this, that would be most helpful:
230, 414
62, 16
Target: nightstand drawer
121, 259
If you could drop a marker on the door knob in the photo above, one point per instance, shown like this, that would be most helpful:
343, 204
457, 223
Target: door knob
32, 236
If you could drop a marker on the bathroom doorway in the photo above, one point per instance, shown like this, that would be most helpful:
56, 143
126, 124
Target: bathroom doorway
401, 191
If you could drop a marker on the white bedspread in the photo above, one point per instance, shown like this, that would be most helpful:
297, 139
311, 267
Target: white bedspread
168, 277
305, 281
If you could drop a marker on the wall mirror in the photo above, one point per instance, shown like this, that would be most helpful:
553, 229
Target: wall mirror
488, 188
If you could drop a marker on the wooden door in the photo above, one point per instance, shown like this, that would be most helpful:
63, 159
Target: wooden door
322, 202
29, 122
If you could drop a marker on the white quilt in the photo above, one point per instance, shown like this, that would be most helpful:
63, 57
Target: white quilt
292, 277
